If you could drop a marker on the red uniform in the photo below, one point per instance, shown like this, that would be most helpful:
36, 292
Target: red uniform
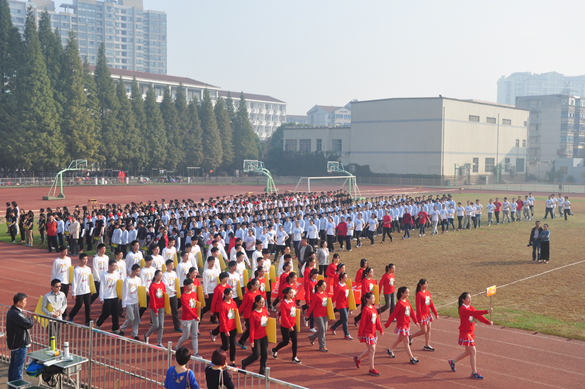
331, 271
358, 276
247, 301
189, 304
387, 283
288, 314
293, 287
262, 288
341, 229
424, 306
341, 295
402, 313
281, 282
422, 217
156, 293
519, 205
258, 322
217, 297
368, 285
227, 316
307, 273
369, 324
318, 305
309, 290
387, 221
498, 206
467, 314
406, 219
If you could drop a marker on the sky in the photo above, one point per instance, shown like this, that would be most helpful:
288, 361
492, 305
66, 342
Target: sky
308, 52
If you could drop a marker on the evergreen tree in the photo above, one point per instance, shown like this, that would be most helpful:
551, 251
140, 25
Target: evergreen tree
93, 108
172, 129
244, 137
53, 53
10, 60
78, 127
225, 131
194, 137
229, 105
156, 139
140, 124
184, 125
212, 151
130, 153
108, 107
37, 143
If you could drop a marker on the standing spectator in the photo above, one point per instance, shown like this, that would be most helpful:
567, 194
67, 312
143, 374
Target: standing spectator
60, 230
17, 336
42, 225
216, 374
179, 376
29, 224
545, 243
58, 302
21, 227
52, 233
74, 235
535, 241
12, 226
323, 257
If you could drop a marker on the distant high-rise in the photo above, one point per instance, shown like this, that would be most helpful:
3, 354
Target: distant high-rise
532, 84
135, 39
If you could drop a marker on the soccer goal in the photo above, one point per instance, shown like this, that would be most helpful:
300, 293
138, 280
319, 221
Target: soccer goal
324, 184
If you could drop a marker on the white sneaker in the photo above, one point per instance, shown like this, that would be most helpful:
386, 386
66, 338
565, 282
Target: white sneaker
312, 330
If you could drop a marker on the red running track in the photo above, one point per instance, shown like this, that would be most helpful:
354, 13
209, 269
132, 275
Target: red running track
507, 358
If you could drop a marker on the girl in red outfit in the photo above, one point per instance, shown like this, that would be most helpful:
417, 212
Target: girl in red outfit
288, 315
287, 267
310, 284
342, 305
318, 309
368, 283
311, 264
156, 293
227, 324
467, 315
367, 332
403, 313
358, 275
290, 282
246, 309
387, 288
258, 322
424, 306
332, 268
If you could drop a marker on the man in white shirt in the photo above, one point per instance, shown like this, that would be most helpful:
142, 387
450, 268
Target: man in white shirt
134, 256
549, 208
58, 302
170, 280
169, 251
73, 230
80, 290
60, 271
183, 268
194, 252
130, 303
158, 262
100, 266
209, 280
109, 297
372, 228
146, 277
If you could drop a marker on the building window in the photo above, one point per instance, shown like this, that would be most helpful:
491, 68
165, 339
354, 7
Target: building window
519, 165
319, 145
517, 142
523, 142
489, 165
507, 164
490, 120
475, 165
507, 122
473, 118
305, 145
290, 145
564, 170
336, 145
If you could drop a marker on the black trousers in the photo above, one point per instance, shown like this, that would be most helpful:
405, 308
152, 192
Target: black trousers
110, 308
142, 310
497, 213
330, 241
371, 236
96, 295
229, 342
358, 235
84, 299
287, 336
60, 238
52, 242
246, 333
173, 302
42, 232
12, 231
322, 269
65, 289
260, 350
207, 307
74, 246
89, 241
387, 231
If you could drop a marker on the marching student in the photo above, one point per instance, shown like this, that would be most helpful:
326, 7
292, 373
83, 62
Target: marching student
359, 274
567, 207
210, 275
341, 304
331, 271
402, 314
497, 210
372, 227
183, 269
134, 256
506, 210
318, 309
282, 280
109, 297
227, 324
130, 304
258, 321
490, 208
100, 266
422, 222
157, 260
424, 307
368, 283
467, 316
367, 333
58, 301
189, 318
387, 226
80, 290
60, 271
310, 285
407, 223
288, 314
460, 215
387, 289
218, 298
349, 234
246, 309
157, 308
146, 277
170, 281
323, 257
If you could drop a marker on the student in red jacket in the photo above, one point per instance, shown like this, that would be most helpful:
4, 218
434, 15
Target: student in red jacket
287, 267
407, 223
467, 316
217, 300
246, 309
332, 268
387, 289
258, 322
342, 306
358, 275
288, 315
156, 293
341, 231
189, 318
310, 285
290, 282
367, 333
368, 283
227, 324
318, 309
402, 313
387, 227
424, 307
497, 209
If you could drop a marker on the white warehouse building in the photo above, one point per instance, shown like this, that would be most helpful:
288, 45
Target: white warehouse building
433, 135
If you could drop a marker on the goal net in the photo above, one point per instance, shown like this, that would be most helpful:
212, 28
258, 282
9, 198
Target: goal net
325, 184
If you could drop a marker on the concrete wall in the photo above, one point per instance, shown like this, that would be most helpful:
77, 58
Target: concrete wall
326, 134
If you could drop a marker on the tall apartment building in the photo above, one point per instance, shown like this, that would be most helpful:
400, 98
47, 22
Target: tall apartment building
531, 84
135, 39
266, 113
327, 115
556, 131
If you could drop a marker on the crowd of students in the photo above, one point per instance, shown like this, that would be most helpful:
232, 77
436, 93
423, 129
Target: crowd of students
248, 235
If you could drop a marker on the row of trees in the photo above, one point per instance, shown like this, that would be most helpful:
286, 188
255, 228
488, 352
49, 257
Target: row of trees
54, 110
